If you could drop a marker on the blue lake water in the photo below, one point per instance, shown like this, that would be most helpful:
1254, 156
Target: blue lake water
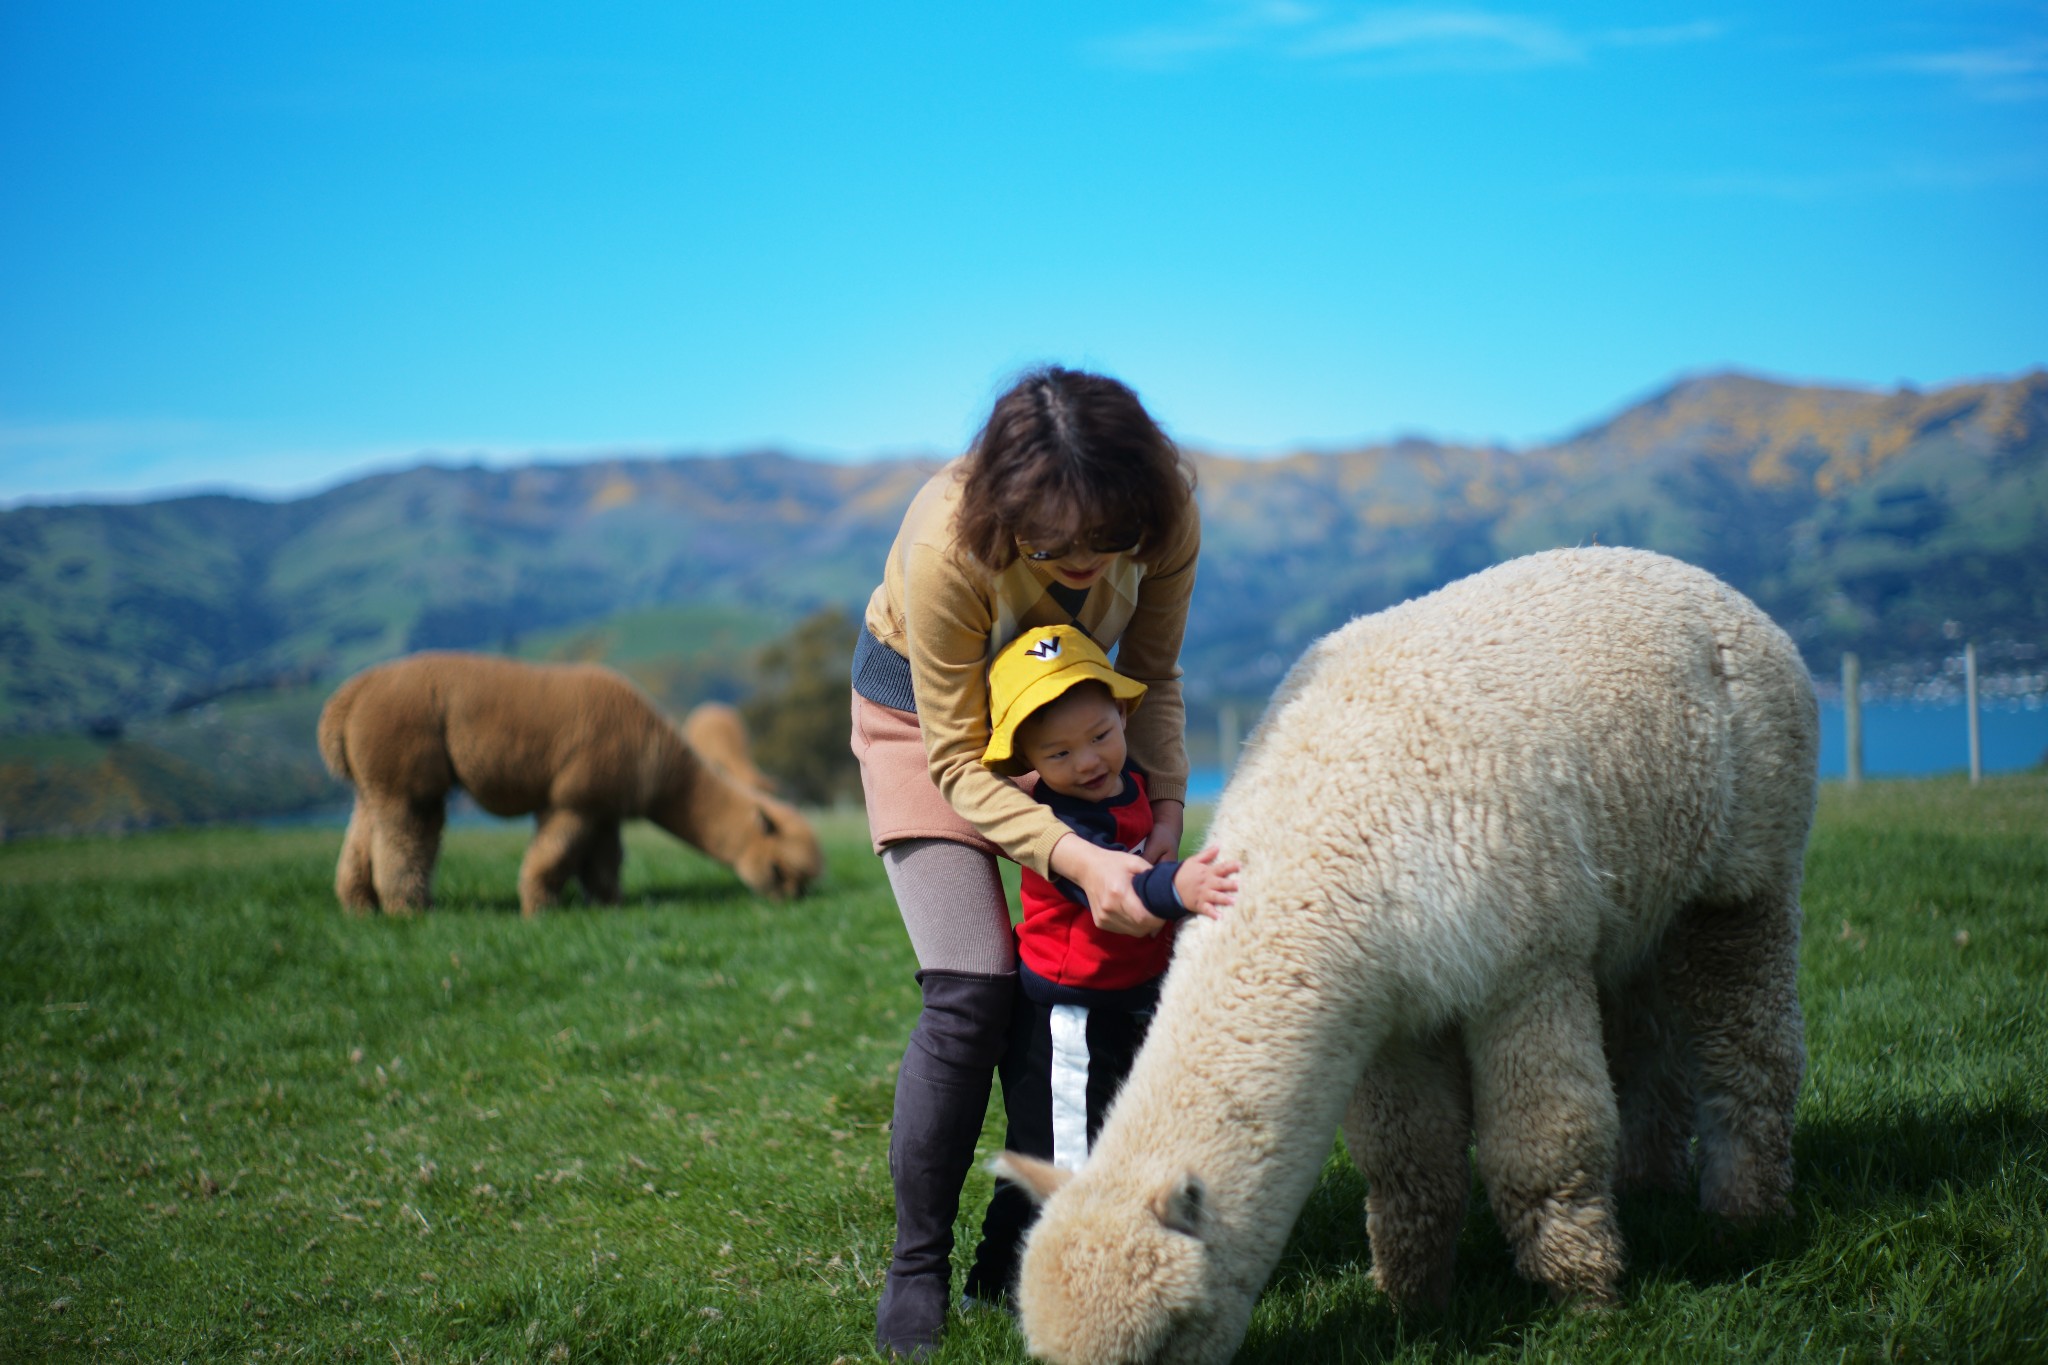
1900, 739
1907, 739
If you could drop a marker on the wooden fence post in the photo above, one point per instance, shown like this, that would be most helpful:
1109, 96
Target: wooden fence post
1852, 716
1970, 694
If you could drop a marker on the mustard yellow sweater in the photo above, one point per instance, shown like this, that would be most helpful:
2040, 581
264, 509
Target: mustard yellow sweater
948, 615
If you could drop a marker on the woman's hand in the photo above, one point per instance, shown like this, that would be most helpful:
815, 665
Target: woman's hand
1104, 876
1168, 820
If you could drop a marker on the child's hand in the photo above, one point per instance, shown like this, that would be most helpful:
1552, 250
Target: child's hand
1206, 886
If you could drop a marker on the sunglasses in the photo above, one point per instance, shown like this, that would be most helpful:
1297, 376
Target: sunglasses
1099, 542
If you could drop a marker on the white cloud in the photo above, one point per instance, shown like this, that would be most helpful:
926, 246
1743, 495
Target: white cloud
1230, 27
2016, 71
1901, 177
1445, 39
121, 460
1382, 40
39, 458
1669, 35
137, 460
29, 440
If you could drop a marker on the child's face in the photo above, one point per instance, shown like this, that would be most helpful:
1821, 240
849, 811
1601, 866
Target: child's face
1077, 744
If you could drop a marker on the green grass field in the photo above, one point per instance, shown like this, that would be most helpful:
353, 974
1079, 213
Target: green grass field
236, 1125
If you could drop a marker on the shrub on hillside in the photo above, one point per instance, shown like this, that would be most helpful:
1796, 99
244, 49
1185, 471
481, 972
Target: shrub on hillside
797, 713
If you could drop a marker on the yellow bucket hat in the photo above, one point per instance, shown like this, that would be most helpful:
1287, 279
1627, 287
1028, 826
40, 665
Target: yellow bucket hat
1035, 668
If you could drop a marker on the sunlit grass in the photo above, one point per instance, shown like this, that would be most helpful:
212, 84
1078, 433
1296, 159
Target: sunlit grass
235, 1124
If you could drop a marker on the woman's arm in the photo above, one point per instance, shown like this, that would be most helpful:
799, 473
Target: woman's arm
1106, 876
946, 632
1169, 821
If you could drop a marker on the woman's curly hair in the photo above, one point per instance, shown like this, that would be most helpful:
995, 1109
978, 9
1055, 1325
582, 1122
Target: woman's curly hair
1069, 456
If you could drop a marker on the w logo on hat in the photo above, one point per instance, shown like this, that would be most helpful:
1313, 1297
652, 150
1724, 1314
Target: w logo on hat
1048, 648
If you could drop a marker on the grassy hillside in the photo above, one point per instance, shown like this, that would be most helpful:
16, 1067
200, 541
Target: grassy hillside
238, 758
1890, 523
133, 611
234, 1123
1859, 520
252, 754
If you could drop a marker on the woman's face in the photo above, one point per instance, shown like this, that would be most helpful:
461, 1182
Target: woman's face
1075, 561
1079, 567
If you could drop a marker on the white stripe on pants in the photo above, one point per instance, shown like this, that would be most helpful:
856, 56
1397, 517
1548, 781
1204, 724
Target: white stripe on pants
1069, 1086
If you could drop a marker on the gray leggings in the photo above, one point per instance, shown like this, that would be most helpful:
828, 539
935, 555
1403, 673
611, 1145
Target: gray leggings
952, 902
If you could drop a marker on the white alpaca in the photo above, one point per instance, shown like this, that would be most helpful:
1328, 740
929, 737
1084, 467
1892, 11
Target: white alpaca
1464, 820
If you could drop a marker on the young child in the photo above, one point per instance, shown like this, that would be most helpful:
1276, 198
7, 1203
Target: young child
1057, 708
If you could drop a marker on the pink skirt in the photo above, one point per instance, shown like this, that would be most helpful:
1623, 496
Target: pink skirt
903, 802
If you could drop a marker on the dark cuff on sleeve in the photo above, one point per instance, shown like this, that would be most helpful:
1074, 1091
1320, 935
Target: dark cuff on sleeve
1155, 889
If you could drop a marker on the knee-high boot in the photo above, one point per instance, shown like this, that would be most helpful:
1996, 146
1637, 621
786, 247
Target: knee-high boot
941, 1096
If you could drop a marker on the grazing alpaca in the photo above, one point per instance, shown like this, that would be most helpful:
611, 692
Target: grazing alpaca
717, 732
574, 745
1463, 821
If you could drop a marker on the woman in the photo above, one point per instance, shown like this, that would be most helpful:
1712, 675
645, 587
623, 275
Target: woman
1071, 506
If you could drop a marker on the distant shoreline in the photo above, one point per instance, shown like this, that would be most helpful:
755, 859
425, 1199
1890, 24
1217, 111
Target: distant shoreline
1900, 739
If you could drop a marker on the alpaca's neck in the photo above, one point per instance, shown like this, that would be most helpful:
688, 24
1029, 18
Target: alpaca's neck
698, 804
1244, 1079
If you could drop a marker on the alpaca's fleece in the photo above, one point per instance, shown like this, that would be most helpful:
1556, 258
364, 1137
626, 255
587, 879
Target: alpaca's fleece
1464, 821
574, 745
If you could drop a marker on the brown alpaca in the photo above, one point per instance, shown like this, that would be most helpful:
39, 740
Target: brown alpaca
574, 745
719, 734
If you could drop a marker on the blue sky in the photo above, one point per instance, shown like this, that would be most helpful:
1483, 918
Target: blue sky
266, 246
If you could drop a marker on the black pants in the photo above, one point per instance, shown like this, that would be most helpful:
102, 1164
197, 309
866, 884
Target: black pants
1060, 1072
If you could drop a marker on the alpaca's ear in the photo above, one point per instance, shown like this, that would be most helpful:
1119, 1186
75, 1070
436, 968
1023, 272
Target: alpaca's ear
1039, 1179
1182, 1205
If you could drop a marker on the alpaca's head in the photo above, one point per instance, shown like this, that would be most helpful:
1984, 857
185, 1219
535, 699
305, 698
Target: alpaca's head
1115, 1272
782, 857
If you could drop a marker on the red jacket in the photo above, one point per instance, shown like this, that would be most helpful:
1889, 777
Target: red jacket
1062, 956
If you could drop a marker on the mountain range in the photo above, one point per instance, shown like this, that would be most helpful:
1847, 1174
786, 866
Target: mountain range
1890, 523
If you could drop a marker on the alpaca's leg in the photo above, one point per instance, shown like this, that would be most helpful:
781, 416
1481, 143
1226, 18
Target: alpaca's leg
1408, 1128
1735, 982
1544, 1115
405, 839
1646, 1057
560, 837
354, 886
602, 859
